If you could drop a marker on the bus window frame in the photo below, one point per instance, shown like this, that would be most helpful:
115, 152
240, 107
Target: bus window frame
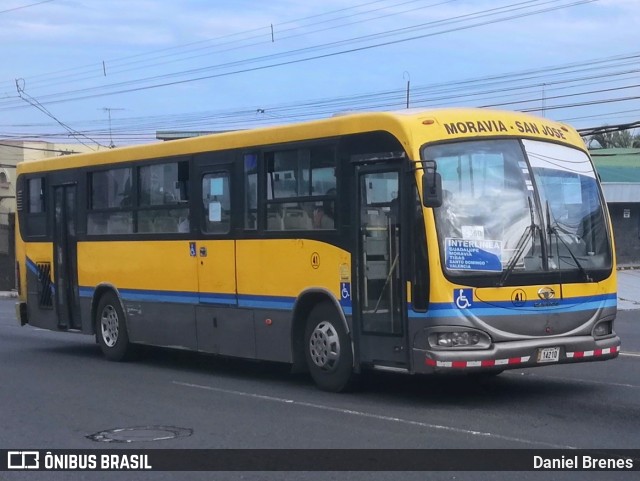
135, 206
332, 144
28, 217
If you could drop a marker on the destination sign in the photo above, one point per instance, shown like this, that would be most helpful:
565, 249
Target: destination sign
473, 254
498, 126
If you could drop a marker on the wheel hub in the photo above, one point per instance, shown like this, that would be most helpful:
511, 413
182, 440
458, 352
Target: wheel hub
324, 346
109, 326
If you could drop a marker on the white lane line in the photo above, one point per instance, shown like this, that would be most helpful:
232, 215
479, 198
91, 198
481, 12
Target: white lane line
629, 354
379, 417
571, 379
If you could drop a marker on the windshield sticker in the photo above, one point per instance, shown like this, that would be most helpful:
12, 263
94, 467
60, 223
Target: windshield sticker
473, 232
463, 298
473, 254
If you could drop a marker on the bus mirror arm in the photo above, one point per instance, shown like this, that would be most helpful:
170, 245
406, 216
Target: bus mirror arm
431, 185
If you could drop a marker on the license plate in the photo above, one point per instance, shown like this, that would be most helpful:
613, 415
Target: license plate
548, 354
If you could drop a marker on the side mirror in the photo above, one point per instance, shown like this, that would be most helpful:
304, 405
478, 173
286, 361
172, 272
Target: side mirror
431, 185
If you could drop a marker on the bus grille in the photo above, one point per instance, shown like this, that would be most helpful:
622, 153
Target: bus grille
19, 200
44, 285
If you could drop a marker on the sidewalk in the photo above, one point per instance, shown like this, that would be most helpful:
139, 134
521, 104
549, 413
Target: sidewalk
629, 289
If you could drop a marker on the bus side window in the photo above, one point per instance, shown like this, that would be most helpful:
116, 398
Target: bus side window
164, 198
301, 188
216, 203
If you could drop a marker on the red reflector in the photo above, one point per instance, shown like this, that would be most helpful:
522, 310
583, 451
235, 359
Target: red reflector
488, 363
578, 354
459, 364
597, 352
430, 362
515, 360
268, 322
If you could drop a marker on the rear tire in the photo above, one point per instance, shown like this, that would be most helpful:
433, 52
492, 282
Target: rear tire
328, 350
111, 329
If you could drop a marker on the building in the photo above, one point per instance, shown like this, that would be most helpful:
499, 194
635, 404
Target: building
619, 170
12, 152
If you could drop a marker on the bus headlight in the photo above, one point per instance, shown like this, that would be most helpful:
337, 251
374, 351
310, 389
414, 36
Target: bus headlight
463, 338
603, 329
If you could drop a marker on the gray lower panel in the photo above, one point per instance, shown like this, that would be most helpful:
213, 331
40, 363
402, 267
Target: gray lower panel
40, 306
225, 330
251, 334
85, 315
161, 324
273, 336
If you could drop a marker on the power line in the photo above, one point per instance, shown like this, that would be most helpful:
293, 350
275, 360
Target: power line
140, 63
33, 102
512, 11
25, 6
422, 96
24, 147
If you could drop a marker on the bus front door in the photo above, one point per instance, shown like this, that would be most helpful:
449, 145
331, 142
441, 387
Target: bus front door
380, 306
65, 262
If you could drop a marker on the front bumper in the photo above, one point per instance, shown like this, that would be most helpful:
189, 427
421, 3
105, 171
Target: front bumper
516, 355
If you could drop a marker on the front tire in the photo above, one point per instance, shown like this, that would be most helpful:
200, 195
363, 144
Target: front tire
328, 350
111, 329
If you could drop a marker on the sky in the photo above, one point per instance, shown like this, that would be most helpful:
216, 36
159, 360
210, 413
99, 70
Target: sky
115, 72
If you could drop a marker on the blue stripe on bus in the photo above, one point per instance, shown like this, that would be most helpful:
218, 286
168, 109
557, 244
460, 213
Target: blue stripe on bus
265, 302
32, 266
529, 305
506, 308
143, 295
436, 310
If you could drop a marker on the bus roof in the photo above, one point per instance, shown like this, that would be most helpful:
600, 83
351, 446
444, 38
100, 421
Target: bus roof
412, 127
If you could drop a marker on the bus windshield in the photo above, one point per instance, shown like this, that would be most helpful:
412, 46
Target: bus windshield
518, 206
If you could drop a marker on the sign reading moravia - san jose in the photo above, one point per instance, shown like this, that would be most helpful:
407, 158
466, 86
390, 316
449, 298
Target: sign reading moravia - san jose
498, 126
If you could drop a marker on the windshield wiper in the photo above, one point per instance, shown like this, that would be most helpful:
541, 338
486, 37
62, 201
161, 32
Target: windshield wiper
552, 229
520, 246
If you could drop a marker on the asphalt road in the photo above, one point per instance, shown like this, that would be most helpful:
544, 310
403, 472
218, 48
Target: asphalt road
56, 389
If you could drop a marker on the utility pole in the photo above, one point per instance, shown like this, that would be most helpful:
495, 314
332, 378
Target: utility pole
407, 77
108, 110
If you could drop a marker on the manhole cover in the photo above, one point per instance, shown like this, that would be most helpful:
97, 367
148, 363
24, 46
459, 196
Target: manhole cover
138, 434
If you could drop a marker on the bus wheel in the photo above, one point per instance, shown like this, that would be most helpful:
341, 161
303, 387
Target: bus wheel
111, 329
328, 350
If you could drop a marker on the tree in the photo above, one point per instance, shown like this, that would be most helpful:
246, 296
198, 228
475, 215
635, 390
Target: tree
616, 139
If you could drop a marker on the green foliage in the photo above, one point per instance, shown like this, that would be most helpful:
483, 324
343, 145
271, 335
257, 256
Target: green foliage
611, 140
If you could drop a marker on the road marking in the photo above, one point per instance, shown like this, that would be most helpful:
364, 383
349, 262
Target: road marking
379, 417
570, 379
630, 354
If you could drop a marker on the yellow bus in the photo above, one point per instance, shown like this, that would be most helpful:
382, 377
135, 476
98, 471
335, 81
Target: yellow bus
453, 240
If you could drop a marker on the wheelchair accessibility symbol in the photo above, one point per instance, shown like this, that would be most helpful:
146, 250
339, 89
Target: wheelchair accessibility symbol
345, 291
463, 298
